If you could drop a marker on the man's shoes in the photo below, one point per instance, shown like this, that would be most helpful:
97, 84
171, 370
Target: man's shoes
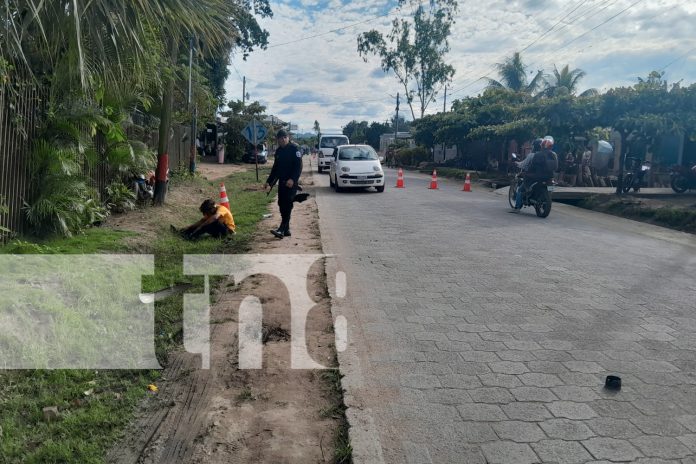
278, 233
515, 211
287, 233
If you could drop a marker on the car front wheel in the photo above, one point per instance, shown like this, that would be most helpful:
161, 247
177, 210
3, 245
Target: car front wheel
380, 188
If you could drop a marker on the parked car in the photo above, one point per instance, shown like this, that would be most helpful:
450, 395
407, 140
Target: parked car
261, 154
356, 166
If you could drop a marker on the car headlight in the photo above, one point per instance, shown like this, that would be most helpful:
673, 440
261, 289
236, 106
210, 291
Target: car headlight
377, 168
345, 169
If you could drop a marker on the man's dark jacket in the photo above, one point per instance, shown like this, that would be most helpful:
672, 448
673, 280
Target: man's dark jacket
287, 165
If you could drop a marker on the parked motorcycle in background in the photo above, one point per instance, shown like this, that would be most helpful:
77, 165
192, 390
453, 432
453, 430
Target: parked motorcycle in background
635, 177
143, 186
537, 195
682, 178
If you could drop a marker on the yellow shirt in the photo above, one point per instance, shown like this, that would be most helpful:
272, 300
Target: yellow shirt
225, 217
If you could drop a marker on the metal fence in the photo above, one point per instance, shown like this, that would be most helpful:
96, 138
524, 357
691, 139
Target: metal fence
22, 106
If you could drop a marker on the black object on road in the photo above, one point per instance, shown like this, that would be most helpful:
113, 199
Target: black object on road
612, 382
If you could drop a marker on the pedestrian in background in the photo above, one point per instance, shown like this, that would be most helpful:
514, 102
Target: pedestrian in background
287, 167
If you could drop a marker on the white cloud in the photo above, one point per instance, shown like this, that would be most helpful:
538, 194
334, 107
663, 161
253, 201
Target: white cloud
343, 87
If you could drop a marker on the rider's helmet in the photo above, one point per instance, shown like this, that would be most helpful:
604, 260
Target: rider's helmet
547, 143
536, 145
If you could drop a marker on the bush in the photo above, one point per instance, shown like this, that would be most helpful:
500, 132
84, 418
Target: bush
412, 156
119, 198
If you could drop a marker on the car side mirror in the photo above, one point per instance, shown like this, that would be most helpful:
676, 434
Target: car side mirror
316, 147
514, 156
381, 159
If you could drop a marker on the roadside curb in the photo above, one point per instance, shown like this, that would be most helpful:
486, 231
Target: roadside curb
362, 431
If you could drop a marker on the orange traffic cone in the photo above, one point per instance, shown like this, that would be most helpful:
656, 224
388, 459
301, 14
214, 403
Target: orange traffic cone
433, 182
400, 179
467, 183
223, 197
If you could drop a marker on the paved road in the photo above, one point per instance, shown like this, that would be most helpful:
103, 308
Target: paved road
482, 336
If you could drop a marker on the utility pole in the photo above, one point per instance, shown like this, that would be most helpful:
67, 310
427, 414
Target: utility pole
396, 121
243, 91
444, 105
192, 108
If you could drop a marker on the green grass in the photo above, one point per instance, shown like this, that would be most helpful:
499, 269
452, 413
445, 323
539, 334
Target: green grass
682, 219
90, 424
94, 240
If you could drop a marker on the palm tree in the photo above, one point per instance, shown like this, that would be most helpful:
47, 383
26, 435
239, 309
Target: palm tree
566, 82
86, 48
513, 76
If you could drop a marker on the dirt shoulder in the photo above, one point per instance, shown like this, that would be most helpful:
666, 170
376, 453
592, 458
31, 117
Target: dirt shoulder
674, 212
231, 415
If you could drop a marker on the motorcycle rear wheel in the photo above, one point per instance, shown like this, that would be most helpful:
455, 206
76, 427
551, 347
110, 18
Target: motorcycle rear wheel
627, 183
543, 204
679, 184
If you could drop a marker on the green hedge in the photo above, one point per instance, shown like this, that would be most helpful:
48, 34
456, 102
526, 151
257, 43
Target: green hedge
454, 173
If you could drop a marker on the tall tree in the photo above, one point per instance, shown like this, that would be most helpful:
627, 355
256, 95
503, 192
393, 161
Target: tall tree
565, 82
317, 129
513, 76
415, 50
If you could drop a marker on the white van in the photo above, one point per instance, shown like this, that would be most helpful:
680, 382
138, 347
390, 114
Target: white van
327, 143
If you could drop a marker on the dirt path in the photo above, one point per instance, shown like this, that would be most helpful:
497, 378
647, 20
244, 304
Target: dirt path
214, 171
228, 415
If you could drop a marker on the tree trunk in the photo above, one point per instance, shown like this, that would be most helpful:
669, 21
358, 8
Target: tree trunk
164, 128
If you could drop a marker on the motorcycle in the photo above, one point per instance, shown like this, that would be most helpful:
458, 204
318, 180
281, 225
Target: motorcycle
537, 195
682, 178
143, 188
634, 178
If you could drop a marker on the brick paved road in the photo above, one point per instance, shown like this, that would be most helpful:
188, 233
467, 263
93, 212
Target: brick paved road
482, 336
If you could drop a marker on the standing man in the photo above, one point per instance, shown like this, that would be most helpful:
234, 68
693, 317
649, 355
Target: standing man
286, 170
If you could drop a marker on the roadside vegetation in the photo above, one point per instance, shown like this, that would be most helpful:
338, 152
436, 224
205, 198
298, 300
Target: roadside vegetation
95, 406
678, 214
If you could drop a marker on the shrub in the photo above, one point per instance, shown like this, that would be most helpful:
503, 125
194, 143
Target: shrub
412, 156
119, 198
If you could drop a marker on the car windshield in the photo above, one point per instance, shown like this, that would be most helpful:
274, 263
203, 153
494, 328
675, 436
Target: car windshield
357, 153
333, 142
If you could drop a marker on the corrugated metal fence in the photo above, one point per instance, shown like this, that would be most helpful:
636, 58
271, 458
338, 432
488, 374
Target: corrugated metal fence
21, 111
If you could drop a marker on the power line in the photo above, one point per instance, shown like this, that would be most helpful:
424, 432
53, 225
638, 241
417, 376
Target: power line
568, 43
601, 24
677, 59
241, 79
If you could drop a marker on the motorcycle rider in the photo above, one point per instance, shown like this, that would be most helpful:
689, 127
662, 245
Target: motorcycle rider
538, 166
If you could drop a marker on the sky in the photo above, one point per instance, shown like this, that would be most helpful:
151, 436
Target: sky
311, 69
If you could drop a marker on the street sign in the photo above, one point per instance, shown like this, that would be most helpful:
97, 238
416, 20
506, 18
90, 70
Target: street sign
254, 132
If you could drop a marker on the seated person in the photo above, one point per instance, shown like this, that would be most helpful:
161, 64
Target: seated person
217, 222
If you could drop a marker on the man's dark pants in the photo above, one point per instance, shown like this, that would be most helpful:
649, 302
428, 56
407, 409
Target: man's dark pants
285, 201
215, 229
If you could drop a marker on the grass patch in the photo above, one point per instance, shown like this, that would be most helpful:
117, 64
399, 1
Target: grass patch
89, 425
342, 449
245, 395
672, 217
94, 240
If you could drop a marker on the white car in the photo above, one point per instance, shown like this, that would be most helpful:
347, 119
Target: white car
356, 166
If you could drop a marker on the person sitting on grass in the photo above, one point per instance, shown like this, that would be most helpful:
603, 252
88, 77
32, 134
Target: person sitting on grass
217, 222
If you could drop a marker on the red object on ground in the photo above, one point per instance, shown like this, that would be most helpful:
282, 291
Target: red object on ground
223, 197
400, 179
467, 183
433, 182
